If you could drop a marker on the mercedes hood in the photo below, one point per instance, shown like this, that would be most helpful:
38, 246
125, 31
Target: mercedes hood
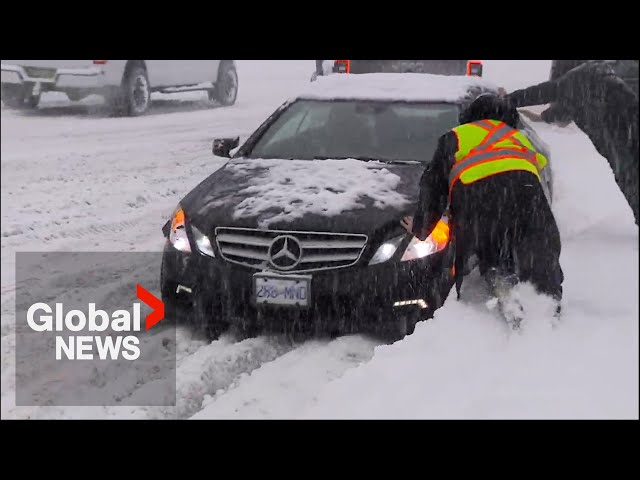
341, 196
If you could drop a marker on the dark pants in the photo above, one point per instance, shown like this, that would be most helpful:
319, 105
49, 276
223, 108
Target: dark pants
505, 220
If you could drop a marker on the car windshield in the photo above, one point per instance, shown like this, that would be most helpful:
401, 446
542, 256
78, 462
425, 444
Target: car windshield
362, 129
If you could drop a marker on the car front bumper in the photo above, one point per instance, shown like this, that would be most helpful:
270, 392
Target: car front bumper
347, 299
89, 78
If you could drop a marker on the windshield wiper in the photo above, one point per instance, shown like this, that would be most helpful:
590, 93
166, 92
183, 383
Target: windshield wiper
384, 160
371, 159
403, 162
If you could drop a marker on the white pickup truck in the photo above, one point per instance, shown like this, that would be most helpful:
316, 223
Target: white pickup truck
125, 84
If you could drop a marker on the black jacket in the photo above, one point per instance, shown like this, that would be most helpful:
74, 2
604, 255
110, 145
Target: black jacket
604, 107
434, 187
600, 103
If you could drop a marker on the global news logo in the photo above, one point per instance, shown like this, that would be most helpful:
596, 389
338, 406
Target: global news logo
119, 342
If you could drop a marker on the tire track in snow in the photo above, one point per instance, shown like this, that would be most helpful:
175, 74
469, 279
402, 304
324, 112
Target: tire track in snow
216, 366
288, 385
202, 370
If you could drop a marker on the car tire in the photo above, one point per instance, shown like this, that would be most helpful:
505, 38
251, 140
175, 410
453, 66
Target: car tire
401, 324
406, 323
192, 311
176, 310
226, 88
133, 98
32, 102
17, 97
75, 97
206, 319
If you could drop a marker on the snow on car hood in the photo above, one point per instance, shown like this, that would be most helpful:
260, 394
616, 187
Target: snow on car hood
395, 86
273, 190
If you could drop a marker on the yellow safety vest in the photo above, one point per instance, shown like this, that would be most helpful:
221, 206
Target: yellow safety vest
489, 147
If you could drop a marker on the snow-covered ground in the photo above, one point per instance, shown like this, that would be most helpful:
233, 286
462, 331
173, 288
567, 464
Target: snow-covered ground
75, 179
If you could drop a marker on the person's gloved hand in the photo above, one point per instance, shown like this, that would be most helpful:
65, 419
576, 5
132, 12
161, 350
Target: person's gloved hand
534, 117
407, 223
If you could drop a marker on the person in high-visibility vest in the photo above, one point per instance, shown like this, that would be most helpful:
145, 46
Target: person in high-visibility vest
487, 173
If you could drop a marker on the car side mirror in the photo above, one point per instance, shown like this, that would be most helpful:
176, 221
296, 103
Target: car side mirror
222, 146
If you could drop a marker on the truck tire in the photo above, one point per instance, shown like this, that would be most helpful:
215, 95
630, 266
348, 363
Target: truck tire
18, 97
76, 96
226, 88
134, 95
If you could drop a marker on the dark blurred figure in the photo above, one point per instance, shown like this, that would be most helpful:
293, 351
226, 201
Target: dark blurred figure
555, 113
601, 97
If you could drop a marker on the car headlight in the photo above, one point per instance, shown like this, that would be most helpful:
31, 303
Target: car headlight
202, 242
178, 232
386, 250
435, 242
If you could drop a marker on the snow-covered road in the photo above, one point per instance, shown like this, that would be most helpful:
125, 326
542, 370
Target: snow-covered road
74, 179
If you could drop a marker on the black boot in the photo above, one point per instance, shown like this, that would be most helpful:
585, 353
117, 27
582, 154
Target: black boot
558, 312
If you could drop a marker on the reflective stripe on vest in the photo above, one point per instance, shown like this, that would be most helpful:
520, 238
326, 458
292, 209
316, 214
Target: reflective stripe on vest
498, 151
497, 133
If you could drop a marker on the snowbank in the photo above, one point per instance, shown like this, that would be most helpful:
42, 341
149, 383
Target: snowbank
465, 365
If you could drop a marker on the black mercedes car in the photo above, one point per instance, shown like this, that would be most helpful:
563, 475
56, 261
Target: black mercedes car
299, 230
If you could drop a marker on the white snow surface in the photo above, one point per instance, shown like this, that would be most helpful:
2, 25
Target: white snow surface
75, 179
295, 188
394, 86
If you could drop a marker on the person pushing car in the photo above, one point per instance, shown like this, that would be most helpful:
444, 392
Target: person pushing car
487, 174
601, 97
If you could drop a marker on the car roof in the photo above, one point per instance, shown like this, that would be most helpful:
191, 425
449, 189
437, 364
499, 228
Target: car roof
397, 87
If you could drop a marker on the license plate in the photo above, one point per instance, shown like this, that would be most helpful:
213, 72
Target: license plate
291, 290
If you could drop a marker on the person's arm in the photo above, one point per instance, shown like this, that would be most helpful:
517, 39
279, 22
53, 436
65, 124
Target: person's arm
434, 187
541, 94
556, 113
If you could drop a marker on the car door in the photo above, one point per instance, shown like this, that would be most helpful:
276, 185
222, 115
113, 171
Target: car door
201, 71
546, 175
176, 73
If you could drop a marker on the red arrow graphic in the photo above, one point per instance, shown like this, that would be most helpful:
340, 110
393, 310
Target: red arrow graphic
155, 303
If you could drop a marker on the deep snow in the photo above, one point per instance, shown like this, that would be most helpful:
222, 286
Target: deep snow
74, 179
